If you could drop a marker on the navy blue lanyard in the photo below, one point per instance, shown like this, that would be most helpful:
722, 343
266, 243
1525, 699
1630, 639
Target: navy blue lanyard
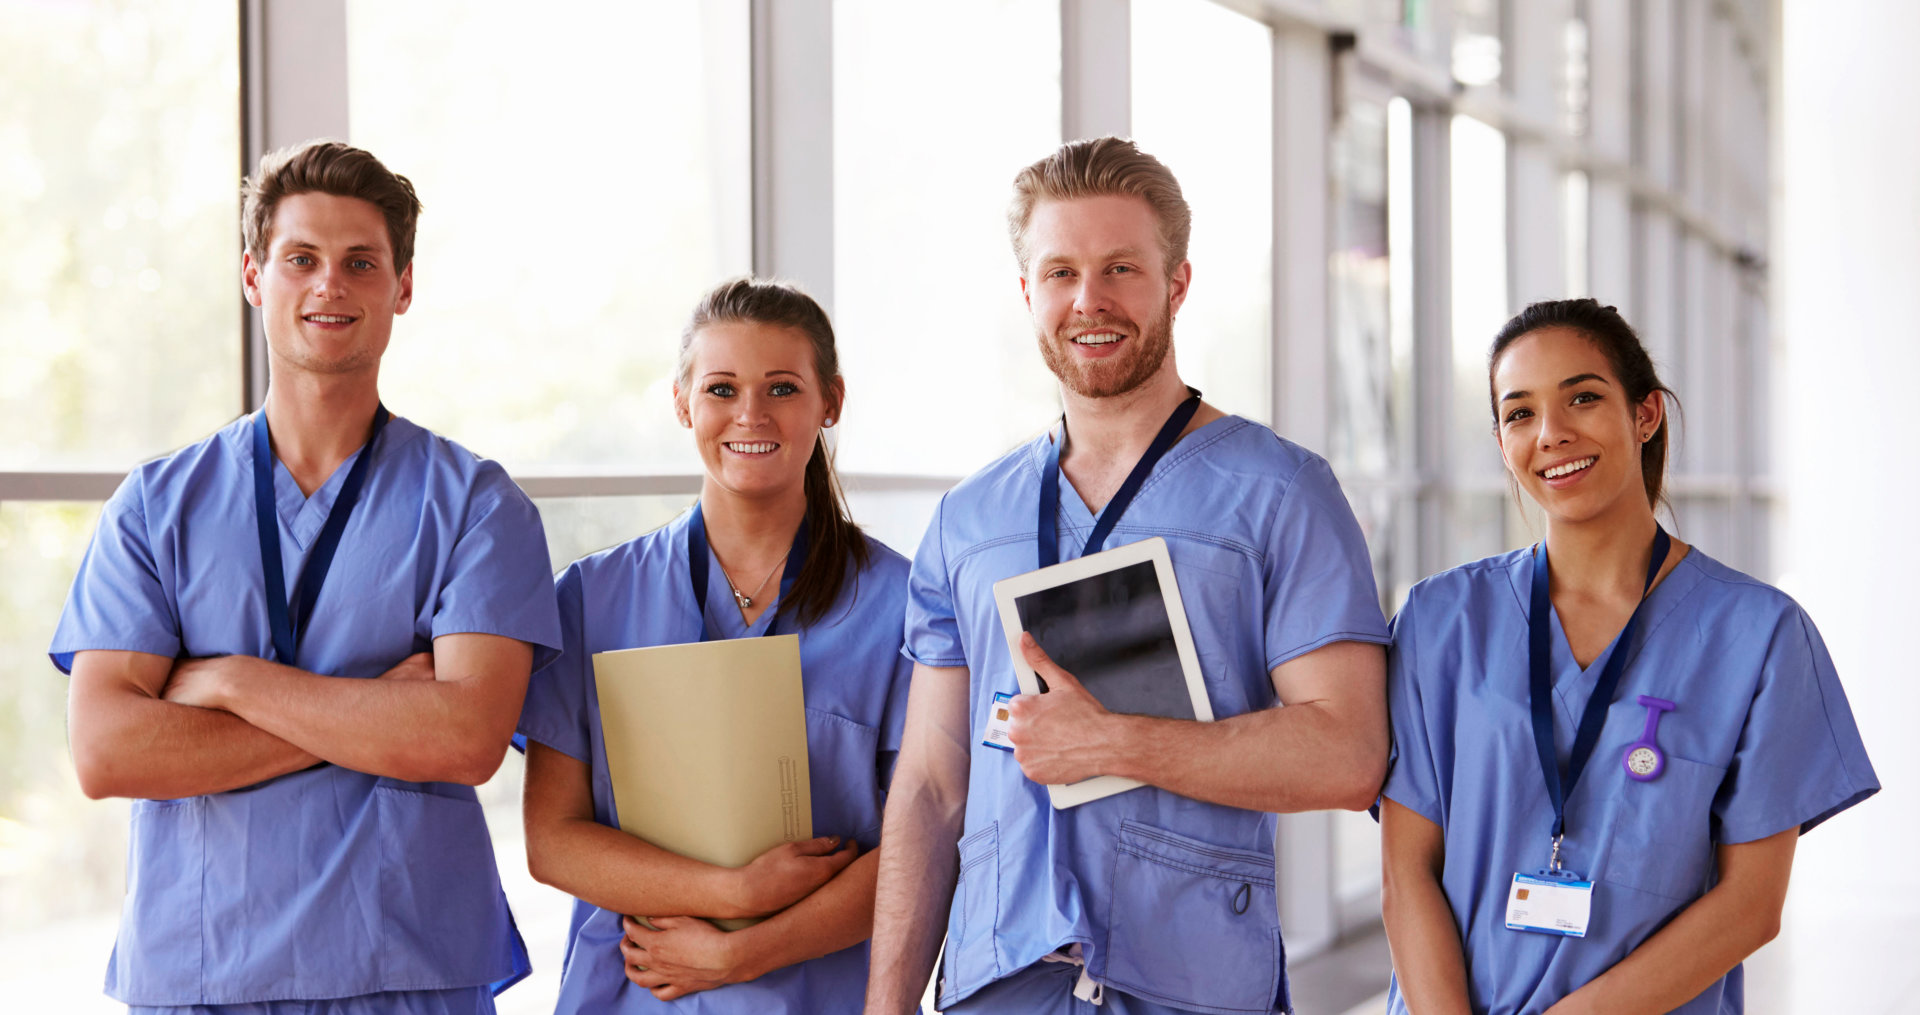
1048, 533
1540, 687
289, 623
697, 568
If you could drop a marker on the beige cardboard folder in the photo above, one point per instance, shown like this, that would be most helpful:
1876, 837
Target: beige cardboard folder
707, 746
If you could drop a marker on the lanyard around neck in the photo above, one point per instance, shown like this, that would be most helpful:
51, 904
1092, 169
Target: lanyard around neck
697, 569
1048, 534
288, 619
1540, 684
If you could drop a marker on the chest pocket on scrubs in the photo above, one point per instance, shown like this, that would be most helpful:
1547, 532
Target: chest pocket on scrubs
842, 760
1661, 836
1194, 924
969, 957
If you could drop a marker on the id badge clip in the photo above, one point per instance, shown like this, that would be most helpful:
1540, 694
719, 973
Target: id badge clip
1550, 901
998, 719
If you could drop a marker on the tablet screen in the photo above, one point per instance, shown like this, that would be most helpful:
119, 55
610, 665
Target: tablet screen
1111, 631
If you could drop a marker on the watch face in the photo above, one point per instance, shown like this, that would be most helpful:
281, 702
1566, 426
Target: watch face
1642, 761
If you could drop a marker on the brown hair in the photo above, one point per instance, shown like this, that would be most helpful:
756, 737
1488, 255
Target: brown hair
1102, 167
833, 540
1632, 367
328, 167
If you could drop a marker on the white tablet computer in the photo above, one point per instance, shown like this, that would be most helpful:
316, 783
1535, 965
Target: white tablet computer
1114, 620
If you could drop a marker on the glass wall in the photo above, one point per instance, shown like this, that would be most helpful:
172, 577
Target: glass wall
1193, 55
119, 248
928, 311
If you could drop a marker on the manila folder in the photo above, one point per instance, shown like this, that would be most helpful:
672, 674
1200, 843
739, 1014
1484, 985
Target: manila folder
707, 746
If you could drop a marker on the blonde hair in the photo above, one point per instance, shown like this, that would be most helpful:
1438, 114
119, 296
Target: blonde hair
1102, 167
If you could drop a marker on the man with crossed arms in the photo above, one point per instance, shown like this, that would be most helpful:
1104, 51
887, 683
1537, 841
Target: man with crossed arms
299, 643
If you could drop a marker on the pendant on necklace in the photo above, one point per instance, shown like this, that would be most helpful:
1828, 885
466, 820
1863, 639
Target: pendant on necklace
746, 602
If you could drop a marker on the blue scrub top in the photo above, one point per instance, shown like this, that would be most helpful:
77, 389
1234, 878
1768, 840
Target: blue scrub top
327, 882
855, 686
1170, 899
1760, 741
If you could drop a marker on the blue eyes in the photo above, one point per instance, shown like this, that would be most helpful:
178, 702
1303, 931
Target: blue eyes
780, 389
307, 261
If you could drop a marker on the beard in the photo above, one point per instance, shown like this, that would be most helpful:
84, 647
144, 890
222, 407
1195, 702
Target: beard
1115, 375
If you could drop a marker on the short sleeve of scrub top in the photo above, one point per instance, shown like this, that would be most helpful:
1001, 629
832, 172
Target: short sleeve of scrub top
1312, 555
117, 602
498, 579
933, 630
1799, 760
555, 713
1412, 779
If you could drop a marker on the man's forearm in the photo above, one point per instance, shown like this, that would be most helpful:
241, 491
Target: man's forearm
918, 869
1295, 758
128, 743
441, 730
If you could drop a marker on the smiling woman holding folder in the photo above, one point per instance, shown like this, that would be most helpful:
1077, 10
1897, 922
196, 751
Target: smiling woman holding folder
769, 548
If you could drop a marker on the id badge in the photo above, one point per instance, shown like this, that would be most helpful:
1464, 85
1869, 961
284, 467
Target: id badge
997, 721
1550, 904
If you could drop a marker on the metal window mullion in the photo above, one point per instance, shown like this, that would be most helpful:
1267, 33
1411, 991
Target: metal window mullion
793, 235
1433, 330
1096, 68
293, 87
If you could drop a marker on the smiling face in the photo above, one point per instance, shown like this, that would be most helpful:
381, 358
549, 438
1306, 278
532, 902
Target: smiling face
1100, 293
326, 285
1569, 433
755, 404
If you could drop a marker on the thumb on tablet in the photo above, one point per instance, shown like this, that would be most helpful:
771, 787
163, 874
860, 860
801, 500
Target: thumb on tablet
1043, 665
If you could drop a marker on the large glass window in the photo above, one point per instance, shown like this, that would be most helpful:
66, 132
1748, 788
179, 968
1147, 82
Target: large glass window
1203, 104
936, 107
120, 315
576, 207
62, 856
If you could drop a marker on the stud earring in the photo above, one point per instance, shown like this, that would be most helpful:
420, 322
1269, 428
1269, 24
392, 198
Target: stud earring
829, 421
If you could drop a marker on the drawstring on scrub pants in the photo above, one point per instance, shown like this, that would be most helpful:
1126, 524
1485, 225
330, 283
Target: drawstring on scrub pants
1086, 988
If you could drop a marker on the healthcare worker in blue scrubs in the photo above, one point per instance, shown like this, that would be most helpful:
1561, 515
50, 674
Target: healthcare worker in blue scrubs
1608, 744
1160, 898
768, 548
300, 643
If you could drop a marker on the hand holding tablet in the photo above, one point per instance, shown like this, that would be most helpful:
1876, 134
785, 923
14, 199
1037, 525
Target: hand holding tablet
1112, 624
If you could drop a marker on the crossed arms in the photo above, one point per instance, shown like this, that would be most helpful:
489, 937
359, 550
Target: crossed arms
143, 725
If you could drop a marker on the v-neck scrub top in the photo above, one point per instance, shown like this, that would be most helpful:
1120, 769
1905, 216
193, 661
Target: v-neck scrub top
327, 882
1170, 899
854, 682
1760, 740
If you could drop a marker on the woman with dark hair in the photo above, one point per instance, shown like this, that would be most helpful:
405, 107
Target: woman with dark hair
1608, 743
758, 381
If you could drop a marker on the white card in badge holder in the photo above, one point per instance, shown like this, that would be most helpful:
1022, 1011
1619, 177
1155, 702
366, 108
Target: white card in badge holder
1550, 903
998, 721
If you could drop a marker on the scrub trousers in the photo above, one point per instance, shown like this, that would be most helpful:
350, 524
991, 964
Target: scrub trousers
1046, 988
461, 1001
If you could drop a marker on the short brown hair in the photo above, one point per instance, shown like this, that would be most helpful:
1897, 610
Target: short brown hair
329, 167
1102, 167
